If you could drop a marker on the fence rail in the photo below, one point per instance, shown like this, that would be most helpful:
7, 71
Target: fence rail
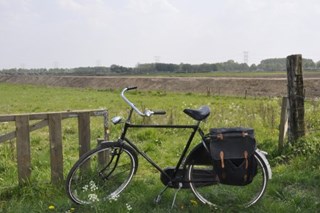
54, 121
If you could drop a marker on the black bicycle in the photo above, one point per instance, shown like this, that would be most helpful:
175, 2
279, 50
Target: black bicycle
104, 172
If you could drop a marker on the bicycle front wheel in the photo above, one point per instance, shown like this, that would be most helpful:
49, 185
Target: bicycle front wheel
209, 191
101, 174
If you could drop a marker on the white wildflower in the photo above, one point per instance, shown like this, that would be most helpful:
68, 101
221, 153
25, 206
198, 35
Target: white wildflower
113, 198
129, 208
85, 188
93, 186
93, 197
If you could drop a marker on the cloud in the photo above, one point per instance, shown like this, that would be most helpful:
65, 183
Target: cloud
79, 32
152, 6
12, 12
72, 5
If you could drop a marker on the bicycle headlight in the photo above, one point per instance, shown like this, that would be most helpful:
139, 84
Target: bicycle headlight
116, 120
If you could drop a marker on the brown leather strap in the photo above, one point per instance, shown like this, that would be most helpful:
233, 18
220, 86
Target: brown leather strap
222, 159
246, 157
220, 136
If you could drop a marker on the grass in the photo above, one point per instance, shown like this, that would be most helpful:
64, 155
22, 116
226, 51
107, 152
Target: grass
296, 172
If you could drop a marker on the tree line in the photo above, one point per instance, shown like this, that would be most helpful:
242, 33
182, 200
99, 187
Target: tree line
275, 64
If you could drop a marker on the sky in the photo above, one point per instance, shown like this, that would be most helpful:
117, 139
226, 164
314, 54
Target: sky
82, 33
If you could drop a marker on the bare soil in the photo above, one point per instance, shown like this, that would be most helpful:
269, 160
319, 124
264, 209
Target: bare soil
230, 86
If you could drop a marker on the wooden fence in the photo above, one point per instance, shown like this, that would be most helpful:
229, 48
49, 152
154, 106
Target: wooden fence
53, 121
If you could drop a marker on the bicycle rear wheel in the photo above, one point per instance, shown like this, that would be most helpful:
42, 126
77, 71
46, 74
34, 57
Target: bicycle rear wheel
207, 189
102, 173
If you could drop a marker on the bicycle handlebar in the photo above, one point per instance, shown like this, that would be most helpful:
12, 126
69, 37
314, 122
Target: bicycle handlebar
147, 112
131, 88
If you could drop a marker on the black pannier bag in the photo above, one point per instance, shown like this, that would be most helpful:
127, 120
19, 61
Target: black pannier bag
232, 151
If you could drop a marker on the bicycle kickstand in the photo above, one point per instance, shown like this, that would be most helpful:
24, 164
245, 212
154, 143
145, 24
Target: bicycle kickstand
175, 195
158, 198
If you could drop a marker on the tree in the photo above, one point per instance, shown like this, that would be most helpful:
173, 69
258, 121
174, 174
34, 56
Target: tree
318, 65
253, 67
119, 69
185, 68
273, 64
308, 64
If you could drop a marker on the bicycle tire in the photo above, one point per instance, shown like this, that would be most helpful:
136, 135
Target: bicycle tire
209, 191
102, 173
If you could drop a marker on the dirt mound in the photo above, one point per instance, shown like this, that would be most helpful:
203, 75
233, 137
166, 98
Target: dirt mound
212, 85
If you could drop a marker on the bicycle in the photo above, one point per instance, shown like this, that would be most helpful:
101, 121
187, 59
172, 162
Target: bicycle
104, 172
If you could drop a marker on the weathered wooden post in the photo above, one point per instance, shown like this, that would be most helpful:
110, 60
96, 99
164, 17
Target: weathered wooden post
295, 97
23, 148
84, 137
56, 155
106, 126
84, 132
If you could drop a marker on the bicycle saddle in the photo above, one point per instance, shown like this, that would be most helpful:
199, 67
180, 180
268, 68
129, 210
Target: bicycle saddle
198, 114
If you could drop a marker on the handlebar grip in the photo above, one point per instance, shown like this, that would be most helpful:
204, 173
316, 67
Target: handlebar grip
159, 112
131, 88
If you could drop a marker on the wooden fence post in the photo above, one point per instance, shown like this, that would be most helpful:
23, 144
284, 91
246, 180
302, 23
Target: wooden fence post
296, 97
56, 156
84, 137
84, 132
23, 148
106, 126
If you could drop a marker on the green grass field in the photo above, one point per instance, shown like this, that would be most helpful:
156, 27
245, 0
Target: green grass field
295, 186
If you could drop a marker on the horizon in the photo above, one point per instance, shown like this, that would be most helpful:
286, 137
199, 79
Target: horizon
48, 68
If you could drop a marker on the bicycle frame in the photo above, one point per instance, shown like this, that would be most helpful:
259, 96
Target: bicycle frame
195, 128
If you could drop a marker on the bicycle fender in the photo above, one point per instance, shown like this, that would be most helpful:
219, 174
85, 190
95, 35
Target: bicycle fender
262, 155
